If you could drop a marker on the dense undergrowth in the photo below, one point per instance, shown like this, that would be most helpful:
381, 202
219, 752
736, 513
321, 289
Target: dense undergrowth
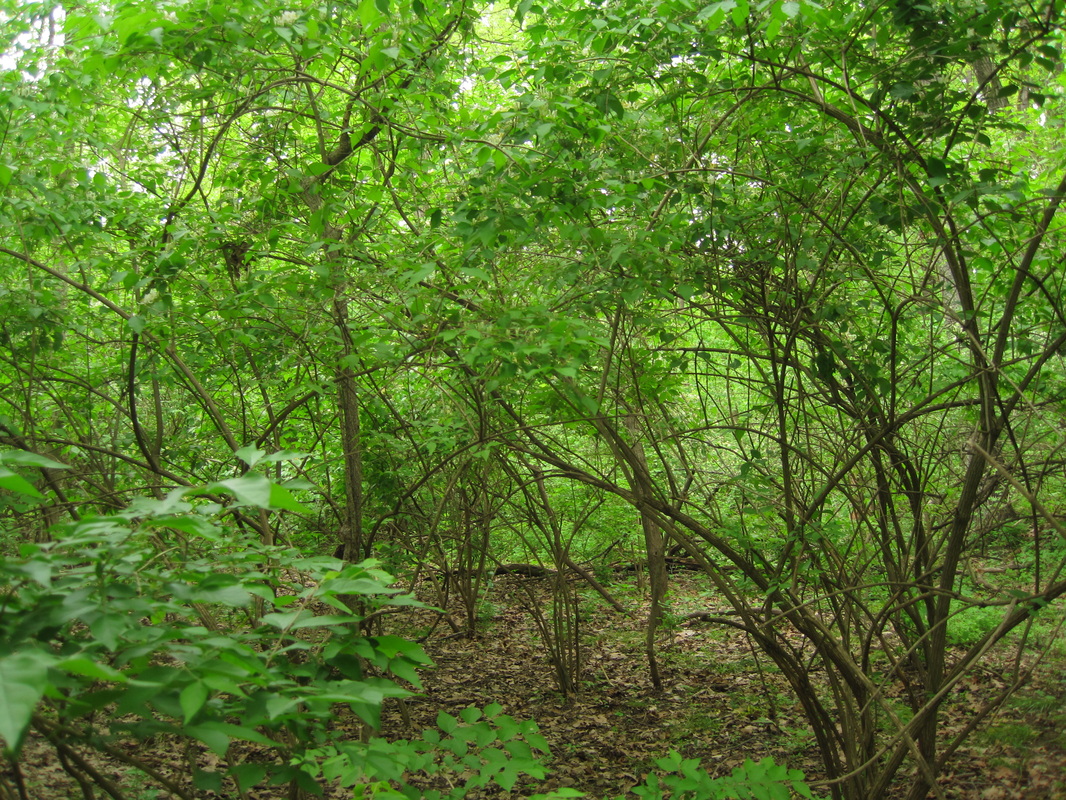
163, 624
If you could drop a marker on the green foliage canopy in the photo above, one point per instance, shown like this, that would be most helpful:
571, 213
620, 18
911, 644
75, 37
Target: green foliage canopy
783, 280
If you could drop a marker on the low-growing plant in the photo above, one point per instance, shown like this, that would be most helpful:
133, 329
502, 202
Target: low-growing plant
1038, 702
685, 779
162, 620
970, 624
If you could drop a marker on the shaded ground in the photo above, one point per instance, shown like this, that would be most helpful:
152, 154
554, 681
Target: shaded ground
718, 705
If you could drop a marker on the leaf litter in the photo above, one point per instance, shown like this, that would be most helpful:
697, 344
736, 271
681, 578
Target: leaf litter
719, 704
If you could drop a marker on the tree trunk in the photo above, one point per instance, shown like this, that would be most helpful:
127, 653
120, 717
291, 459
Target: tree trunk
653, 543
348, 402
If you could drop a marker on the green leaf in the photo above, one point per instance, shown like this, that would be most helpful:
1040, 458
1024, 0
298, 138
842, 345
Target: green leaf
406, 671
256, 490
173, 503
392, 646
323, 621
278, 705
207, 781
38, 570
247, 775
218, 588
299, 619
109, 629
446, 722
740, 14
284, 620
250, 455
286, 455
23, 679
14, 482
196, 525
251, 489
192, 699
538, 741
470, 715
937, 171
368, 13
85, 666
475, 272
24, 458
213, 734
282, 500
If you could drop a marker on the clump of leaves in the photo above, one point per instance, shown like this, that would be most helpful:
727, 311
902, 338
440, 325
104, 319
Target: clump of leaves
164, 620
685, 779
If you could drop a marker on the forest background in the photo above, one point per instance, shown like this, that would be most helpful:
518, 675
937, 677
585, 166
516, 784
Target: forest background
773, 291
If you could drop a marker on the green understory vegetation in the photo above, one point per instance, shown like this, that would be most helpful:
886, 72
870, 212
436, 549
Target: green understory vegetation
311, 313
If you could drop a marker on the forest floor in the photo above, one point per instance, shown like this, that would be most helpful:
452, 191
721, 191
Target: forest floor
718, 704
